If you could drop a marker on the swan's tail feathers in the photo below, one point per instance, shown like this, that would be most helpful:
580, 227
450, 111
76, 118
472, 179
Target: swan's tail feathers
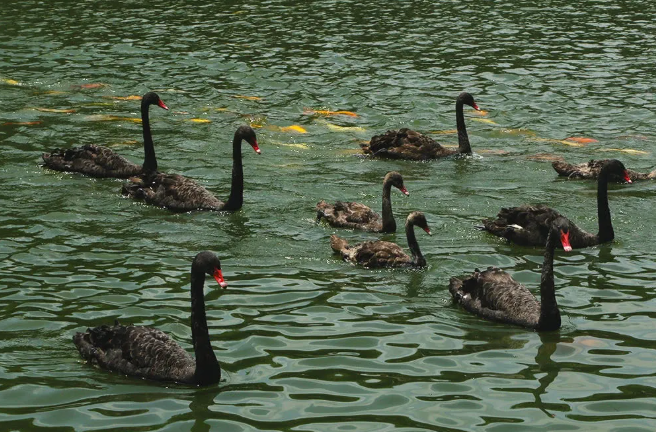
84, 345
321, 210
133, 189
564, 169
455, 285
339, 245
488, 225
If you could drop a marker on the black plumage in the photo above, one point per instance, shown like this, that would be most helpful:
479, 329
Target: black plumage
150, 353
358, 216
179, 193
493, 294
529, 225
592, 168
408, 144
98, 161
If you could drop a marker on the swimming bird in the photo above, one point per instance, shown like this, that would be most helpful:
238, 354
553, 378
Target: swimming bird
147, 352
99, 161
358, 216
496, 296
529, 225
376, 254
408, 144
179, 193
591, 169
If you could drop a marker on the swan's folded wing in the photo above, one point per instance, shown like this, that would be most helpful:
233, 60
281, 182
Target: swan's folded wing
174, 192
357, 213
378, 254
147, 352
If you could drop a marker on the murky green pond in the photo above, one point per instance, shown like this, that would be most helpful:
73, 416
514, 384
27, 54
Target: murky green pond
307, 342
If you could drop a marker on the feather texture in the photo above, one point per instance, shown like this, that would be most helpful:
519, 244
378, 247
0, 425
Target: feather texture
408, 144
98, 161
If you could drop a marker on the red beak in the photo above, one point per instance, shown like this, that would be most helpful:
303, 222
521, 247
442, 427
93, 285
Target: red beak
564, 239
428, 231
404, 190
255, 147
626, 177
162, 105
219, 278
476, 107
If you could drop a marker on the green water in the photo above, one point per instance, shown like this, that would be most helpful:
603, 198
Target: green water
307, 342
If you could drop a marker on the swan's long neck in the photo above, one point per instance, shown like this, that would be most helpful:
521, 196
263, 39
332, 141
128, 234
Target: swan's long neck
463, 138
549, 313
150, 162
389, 224
417, 258
606, 232
236, 199
207, 366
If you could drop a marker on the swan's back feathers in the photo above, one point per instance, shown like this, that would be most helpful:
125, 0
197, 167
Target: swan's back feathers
172, 191
525, 225
349, 215
529, 226
371, 254
495, 295
138, 351
405, 144
591, 169
91, 160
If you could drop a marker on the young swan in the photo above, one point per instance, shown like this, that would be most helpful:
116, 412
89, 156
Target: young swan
376, 254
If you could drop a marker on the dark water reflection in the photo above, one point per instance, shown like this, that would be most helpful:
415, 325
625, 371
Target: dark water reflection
307, 342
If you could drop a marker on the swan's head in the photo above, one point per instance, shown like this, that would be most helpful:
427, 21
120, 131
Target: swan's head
468, 99
417, 218
247, 133
560, 227
207, 262
396, 180
152, 98
616, 168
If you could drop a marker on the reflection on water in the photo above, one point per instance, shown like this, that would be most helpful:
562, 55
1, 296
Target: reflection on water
308, 342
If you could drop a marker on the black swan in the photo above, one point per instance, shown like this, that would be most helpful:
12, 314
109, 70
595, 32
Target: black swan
495, 295
529, 225
408, 144
591, 170
377, 254
358, 216
98, 161
150, 353
179, 193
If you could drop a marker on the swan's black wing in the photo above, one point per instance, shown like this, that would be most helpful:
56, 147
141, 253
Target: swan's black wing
172, 191
591, 169
405, 144
525, 225
91, 160
495, 295
136, 351
349, 215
